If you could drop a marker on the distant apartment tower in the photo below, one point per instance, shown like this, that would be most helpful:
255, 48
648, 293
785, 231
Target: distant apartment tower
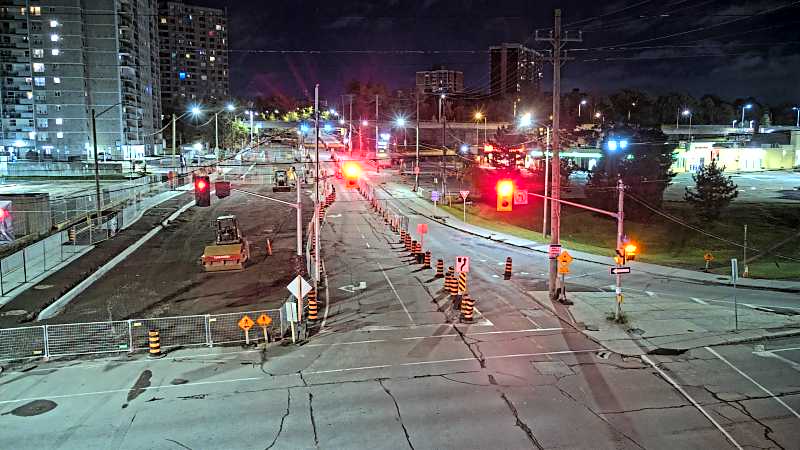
61, 59
514, 69
194, 55
440, 79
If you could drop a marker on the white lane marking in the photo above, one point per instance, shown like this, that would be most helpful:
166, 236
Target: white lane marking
694, 402
348, 369
395, 293
438, 336
362, 237
697, 300
784, 349
368, 246
115, 391
650, 293
767, 391
788, 361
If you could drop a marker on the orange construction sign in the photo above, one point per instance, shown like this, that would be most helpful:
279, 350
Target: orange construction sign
264, 320
245, 323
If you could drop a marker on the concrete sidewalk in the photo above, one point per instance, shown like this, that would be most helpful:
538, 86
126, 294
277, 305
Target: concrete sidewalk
423, 206
656, 325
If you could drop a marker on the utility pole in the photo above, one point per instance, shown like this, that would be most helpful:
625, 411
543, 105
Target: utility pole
377, 100
620, 232
416, 165
97, 168
350, 126
173, 135
558, 42
546, 175
316, 187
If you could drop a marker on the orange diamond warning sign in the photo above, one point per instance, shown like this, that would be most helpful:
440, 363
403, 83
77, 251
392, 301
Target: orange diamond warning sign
264, 320
245, 323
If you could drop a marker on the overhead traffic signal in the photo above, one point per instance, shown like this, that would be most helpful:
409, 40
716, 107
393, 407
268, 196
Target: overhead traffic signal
505, 195
202, 191
626, 253
352, 172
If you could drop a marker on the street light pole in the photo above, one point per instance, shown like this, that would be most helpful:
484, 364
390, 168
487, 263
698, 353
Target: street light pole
96, 167
316, 188
416, 162
216, 135
797, 121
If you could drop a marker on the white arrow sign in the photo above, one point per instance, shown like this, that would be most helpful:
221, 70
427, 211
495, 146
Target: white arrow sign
352, 287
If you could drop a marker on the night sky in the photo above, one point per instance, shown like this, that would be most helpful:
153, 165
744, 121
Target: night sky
729, 48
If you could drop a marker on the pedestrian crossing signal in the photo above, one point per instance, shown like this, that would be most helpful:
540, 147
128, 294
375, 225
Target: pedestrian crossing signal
505, 195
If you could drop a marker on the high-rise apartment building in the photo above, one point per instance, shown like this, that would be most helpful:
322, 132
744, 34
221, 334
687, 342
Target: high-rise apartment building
515, 69
62, 58
440, 79
193, 55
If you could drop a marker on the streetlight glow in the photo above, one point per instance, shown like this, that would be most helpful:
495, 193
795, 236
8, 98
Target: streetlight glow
230, 107
195, 110
686, 112
364, 122
478, 115
526, 120
400, 121
583, 102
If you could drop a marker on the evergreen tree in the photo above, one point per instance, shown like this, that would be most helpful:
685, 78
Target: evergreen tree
713, 191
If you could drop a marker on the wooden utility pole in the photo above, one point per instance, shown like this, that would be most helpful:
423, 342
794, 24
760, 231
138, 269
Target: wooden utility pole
558, 41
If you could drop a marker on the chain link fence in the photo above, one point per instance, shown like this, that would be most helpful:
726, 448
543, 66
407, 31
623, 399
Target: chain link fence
128, 336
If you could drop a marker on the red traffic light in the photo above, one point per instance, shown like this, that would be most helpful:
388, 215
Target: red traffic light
351, 169
505, 187
200, 184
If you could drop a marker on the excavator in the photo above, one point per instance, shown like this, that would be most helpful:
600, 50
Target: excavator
230, 250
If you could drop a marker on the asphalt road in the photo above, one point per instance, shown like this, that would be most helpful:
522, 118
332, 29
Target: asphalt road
390, 367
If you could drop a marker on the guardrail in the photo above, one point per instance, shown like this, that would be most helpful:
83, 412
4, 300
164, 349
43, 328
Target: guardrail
129, 336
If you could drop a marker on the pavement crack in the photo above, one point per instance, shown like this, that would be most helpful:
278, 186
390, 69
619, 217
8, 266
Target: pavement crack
647, 408
311, 414
767, 429
522, 425
466, 382
178, 443
283, 419
399, 416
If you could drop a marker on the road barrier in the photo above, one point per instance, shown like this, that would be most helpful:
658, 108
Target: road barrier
439, 268
154, 341
413, 248
418, 252
507, 272
462, 282
408, 242
128, 336
467, 308
453, 281
313, 307
426, 262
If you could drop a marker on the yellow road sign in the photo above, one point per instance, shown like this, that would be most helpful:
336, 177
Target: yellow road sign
563, 267
264, 320
708, 256
565, 257
245, 323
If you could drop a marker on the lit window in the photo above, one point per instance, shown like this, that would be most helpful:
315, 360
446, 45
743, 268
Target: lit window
57, 80
29, 94
212, 59
219, 27
60, 135
203, 77
36, 10
54, 37
188, 55
182, 75
55, 52
38, 53
59, 121
31, 134
38, 67
38, 81
53, 23
163, 20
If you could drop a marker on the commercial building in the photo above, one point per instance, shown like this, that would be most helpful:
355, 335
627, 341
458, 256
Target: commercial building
515, 69
63, 58
193, 55
440, 79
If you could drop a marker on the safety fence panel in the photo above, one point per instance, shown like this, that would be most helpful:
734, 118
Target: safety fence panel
21, 343
224, 328
34, 260
12, 272
84, 338
174, 331
53, 250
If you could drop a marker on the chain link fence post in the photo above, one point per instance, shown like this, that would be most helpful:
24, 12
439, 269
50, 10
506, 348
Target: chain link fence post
46, 344
209, 339
131, 349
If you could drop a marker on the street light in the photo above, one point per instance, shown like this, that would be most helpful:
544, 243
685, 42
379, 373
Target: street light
365, 122
400, 122
687, 113
526, 120
747, 106
582, 103
230, 107
599, 115
478, 116
797, 121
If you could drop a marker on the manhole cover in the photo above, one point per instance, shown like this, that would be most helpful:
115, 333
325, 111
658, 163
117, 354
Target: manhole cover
40, 287
636, 331
14, 312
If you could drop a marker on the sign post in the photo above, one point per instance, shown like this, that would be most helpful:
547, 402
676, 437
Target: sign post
264, 321
464, 195
462, 264
434, 197
299, 287
708, 257
734, 279
564, 260
245, 323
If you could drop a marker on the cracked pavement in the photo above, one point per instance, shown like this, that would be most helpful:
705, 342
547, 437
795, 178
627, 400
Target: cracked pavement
393, 368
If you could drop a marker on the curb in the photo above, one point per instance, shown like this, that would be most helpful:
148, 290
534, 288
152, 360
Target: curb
676, 277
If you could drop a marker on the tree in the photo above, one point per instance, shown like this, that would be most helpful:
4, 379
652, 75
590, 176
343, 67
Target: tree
713, 191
